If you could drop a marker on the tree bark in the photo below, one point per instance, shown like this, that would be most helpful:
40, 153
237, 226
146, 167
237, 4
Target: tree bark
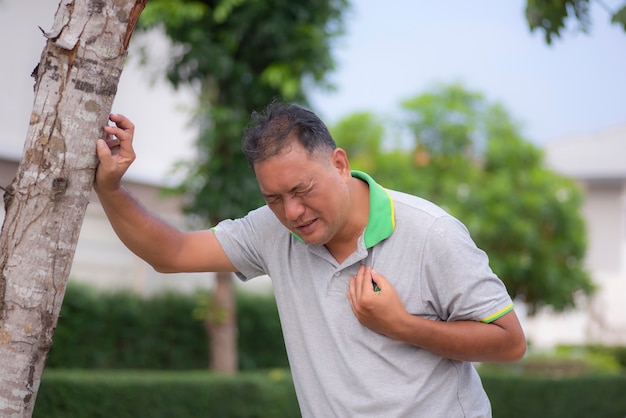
75, 84
222, 326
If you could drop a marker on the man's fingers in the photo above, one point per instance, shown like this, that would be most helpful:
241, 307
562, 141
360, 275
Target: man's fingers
351, 295
119, 133
103, 150
367, 285
122, 122
115, 152
112, 141
120, 141
378, 281
115, 135
364, 283
123, 129
361, 278
355, 289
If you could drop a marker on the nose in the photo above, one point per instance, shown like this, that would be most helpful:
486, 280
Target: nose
293, 208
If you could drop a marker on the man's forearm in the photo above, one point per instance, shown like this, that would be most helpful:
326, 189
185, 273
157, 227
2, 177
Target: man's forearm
146, 235
499, 341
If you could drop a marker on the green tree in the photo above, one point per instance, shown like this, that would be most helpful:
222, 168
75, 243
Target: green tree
241, 54
552, 16
467, 155
361, 136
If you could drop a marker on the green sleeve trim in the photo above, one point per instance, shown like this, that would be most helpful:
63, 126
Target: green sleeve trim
498, 314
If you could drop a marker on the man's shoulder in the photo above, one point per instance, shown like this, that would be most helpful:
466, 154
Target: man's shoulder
258, 222
415, 206
262, 212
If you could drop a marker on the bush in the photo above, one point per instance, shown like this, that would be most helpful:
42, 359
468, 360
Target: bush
260, 344
563, 361
124, 331
617, 353
121, 394
131, 394
582, 397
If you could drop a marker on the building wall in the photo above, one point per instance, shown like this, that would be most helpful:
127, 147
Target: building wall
604, 213
601, 318
597, 162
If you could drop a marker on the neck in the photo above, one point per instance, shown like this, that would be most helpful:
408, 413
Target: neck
345, 243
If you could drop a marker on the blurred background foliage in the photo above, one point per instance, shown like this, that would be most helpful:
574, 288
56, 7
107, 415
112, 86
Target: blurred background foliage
552, 16
238, 55
455, 149
449, 145
120, 330
466, 154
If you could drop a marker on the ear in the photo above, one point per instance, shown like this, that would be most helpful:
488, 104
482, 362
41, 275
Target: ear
339, 160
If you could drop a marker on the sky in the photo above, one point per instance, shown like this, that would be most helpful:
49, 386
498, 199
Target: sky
392, 50
398, 49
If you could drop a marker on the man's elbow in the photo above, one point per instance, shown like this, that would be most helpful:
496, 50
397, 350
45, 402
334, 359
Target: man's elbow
513, 347
516, 349
164, 268
161, 269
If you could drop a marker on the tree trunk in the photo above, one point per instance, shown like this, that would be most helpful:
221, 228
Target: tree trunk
75, 84
222, 326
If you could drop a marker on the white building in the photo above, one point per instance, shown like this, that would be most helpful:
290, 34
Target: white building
598, 162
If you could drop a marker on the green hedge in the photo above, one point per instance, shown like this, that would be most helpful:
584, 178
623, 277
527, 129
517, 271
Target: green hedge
260, 341
124, 331
132, 394
600, 396
616, 352
121, 394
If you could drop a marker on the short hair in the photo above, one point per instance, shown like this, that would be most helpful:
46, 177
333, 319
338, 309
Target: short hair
269, 133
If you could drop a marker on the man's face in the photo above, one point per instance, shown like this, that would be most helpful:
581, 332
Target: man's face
308, 193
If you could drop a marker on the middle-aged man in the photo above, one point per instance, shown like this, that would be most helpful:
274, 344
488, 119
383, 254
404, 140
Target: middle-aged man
384, 299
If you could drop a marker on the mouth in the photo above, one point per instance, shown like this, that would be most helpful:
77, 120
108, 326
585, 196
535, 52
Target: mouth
306, 227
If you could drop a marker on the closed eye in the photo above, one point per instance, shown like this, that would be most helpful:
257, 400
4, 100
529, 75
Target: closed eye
298, 191
271, 199
302, 193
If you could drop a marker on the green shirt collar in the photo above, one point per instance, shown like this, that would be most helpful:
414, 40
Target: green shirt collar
381, 221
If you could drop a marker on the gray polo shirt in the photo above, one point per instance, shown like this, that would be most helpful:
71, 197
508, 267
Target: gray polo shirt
341, 368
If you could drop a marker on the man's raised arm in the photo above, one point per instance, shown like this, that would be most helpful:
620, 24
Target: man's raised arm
164, 247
